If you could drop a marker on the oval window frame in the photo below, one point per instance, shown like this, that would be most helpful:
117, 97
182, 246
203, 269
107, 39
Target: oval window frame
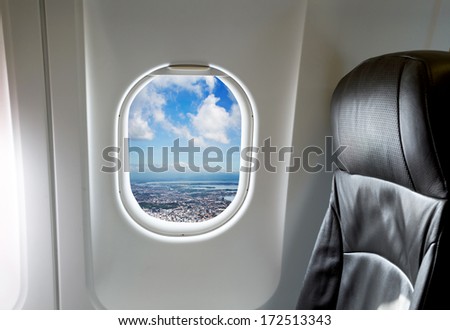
127, 198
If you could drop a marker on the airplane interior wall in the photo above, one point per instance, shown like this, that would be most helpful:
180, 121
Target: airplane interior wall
134, 268
65, 67
10, 257
27, 94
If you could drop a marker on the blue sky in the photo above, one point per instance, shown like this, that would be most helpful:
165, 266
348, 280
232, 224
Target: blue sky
184, 107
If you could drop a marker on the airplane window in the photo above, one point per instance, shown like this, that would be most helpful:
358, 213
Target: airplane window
183, 129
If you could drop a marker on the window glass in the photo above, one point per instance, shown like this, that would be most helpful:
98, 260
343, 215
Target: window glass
183, 134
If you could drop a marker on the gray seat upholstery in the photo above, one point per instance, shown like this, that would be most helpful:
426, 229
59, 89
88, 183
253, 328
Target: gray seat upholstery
384, 242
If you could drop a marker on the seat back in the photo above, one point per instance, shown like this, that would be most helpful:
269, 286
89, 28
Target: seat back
384, 240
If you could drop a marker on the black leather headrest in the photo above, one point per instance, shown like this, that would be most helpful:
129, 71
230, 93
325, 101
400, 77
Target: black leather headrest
390, 112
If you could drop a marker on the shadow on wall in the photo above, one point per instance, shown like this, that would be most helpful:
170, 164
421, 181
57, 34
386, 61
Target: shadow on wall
308, 193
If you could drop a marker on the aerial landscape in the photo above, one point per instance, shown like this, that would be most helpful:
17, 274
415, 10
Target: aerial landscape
188, 201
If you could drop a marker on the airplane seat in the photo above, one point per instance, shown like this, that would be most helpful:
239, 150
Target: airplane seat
384, 242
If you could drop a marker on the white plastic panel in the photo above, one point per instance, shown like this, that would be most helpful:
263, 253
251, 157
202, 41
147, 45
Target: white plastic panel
32, 144
11, 275
64, 20
237, 265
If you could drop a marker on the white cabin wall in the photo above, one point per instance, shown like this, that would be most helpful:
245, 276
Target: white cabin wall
238, 265
68, 110
11, 279
33, 147
438, 31
338, 36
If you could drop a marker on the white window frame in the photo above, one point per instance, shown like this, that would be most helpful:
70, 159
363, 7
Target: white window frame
129, 202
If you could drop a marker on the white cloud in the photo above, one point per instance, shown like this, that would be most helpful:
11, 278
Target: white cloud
147, 108
138, 127
154, 99
178, 131
235, 118
212, 122
210, 82
158, 115
189, 83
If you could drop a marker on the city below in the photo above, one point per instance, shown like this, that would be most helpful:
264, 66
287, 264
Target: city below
189, 201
